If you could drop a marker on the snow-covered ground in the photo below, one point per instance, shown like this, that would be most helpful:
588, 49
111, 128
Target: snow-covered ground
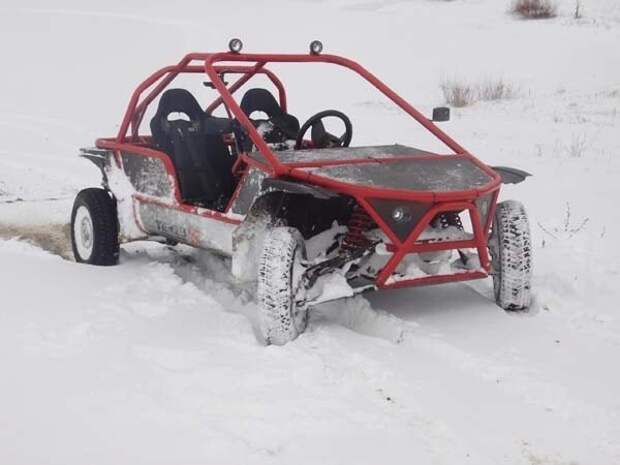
156, 361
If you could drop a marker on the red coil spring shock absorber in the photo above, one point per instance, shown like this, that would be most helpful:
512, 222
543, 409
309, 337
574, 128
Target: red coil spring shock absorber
359, 223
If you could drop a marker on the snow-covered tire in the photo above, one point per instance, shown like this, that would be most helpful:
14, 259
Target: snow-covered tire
94, 228
511, 256
282, 314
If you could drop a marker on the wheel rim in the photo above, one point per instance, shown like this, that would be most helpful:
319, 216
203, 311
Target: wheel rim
83, 233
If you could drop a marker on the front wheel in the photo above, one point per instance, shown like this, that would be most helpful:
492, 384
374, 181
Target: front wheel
511, 256
94, 228
282, 310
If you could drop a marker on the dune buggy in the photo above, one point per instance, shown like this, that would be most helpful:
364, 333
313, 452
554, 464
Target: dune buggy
304, 216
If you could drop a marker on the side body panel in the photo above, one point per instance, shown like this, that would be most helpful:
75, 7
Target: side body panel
192, 229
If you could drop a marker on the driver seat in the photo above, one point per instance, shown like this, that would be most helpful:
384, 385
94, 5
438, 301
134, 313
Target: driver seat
258, 99
202, 160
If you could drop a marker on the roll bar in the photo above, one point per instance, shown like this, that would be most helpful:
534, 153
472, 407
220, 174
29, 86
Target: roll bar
210, 63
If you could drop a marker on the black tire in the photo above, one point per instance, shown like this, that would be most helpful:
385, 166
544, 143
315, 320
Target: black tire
511, 256
282, 313
94, 228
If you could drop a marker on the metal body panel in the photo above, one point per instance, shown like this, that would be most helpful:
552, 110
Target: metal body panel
196, 230
511, 175
342, 154
147, 175
250, 188
413, 212
296, 187
437, 174
101, 158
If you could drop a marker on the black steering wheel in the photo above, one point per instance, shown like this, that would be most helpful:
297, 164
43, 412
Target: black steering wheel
320, 137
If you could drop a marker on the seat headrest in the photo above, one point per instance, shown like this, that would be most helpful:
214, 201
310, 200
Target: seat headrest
260, 100
173, 101
179, 101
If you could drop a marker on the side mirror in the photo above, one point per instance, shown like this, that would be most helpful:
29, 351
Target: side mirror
441, 114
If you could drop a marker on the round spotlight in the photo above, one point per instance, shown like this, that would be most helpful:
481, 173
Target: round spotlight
235, 45
400, 214
316, 47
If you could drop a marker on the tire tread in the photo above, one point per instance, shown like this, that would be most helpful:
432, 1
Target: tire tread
276, 301
513, 258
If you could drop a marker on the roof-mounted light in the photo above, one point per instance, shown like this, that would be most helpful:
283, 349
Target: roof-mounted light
235, 45
316, 47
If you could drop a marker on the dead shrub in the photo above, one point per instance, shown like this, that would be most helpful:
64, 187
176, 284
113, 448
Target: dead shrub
578, 14
458, 94
577, 146
534, 9
462, 94
495, 90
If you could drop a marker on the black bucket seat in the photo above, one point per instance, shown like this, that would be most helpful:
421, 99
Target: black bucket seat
200, 156
285, 126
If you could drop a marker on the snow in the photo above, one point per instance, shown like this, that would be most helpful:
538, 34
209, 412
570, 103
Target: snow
157, 361
449, 233
124, 193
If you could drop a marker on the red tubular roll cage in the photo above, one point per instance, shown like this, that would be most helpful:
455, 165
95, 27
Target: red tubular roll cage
440, 201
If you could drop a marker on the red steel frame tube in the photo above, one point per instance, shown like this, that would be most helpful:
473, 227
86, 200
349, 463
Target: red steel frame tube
248, 73
136, 107
409, 245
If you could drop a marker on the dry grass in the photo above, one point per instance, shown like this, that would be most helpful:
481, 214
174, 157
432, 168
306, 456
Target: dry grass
578, 14
460, 94
495, 90
534, 9
577, 146
568, 228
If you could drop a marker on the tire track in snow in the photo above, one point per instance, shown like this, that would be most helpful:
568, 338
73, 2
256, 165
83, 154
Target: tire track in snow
207, 271
211, 273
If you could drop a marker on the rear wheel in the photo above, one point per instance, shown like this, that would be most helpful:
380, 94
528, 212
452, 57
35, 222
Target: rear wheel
94, 228
282, 310
511, 256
